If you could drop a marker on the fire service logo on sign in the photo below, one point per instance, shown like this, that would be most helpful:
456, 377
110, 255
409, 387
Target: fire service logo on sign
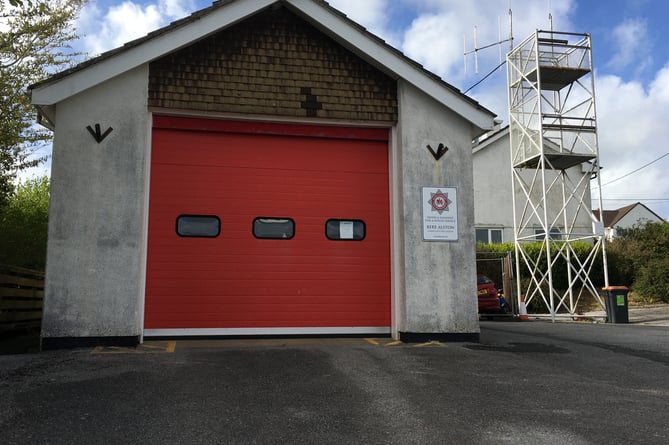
440, 213
439, 201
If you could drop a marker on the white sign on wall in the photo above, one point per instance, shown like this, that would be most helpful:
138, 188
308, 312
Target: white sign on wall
440, 213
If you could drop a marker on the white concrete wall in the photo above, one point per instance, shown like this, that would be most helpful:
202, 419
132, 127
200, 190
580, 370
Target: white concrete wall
437, 280
493, 205
492, 191
636, 217
96, 247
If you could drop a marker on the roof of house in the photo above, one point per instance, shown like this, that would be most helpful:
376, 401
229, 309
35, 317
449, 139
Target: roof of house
611, 217
224, 13
486, 139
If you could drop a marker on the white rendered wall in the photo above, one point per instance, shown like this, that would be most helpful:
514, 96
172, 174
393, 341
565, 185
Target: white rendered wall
637, 216
493, 204
95, 256
492, 191
436, 281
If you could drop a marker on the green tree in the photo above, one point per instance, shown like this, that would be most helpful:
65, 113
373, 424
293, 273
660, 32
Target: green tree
24, 223
640, 257
34, 42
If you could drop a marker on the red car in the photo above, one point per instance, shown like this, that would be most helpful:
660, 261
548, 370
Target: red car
487, 295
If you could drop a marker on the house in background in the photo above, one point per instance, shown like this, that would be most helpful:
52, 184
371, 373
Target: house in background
493, 201
627, 217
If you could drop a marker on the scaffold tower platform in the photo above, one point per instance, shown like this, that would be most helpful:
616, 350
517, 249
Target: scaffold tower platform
554, 158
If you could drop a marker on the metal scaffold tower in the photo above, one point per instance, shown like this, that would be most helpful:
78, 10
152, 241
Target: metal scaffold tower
554, 158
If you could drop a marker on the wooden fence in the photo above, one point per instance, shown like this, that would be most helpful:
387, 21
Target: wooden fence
21, 298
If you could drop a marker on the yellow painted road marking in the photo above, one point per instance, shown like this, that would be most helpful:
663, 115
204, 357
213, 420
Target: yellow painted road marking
429, 343
384, 343
113, 350
144, 348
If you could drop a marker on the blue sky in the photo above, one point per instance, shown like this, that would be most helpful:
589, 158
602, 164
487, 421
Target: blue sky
630, 52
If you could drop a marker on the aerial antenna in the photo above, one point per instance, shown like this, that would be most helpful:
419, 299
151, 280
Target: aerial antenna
499, 43
510, 27
499, 36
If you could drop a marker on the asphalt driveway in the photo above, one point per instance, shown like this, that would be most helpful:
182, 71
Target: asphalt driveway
525, 383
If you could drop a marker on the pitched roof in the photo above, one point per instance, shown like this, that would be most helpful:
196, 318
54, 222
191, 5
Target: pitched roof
224, 13
486, 139
611, 217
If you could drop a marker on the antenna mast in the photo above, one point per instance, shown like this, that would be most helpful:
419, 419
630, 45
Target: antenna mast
499, 43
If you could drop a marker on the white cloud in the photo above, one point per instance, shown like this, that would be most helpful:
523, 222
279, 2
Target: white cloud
126, 21
369, 13
372, 14
628, 37
659, 88
175, 9
430, 41
436, 37
631, 129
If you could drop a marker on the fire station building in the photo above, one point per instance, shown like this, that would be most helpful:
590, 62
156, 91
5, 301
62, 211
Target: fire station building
261, 167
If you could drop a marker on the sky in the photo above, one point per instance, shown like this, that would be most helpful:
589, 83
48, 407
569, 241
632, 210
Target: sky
630, 52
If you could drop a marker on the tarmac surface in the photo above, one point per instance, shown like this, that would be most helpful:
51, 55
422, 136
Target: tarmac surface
648, 315
532, 382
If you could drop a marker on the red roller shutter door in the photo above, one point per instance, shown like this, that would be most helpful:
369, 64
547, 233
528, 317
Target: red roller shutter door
241, 171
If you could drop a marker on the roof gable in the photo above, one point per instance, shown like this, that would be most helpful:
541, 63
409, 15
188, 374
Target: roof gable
275, 64
613, 217
223, 14
488, 139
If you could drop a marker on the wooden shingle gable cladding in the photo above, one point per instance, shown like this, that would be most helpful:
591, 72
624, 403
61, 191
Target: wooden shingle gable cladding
273, 63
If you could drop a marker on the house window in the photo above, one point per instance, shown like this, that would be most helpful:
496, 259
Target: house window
555, 234
489, 236
273, 228
345, 230
198, 226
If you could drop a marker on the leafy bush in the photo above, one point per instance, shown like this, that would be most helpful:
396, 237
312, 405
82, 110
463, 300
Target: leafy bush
24, 225
621, 266
537, 251
580, 253
640, 256
652, 281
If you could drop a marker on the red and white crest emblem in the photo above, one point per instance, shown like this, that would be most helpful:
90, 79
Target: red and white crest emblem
439, 201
